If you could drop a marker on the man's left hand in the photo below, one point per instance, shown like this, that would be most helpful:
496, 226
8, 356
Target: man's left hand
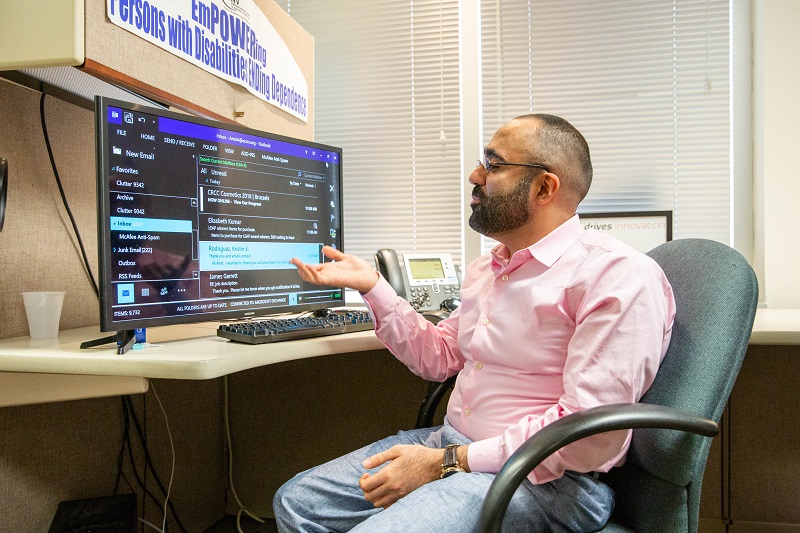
410, 467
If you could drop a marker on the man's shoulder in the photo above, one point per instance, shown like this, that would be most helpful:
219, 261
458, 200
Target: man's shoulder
602, 242
606, 248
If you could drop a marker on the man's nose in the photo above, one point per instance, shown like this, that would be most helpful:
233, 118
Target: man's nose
478, 176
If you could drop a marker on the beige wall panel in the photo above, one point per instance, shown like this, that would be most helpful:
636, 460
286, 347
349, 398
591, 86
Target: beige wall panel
38, 249
55, 452
147, 65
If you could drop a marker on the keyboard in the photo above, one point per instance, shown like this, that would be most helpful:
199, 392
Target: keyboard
285, 329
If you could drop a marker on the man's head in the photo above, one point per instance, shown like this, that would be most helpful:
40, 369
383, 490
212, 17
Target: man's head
536, 167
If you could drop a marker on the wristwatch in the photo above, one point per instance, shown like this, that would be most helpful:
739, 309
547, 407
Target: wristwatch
450, 464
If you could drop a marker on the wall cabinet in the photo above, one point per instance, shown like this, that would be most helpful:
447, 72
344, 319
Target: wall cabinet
115, 55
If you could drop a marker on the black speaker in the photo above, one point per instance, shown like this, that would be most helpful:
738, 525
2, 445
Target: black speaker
109, 514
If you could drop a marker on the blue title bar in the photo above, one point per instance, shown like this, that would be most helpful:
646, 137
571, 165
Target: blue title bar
218, 135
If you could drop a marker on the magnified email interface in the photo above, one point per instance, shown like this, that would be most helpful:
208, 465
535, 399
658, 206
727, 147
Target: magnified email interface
200, 220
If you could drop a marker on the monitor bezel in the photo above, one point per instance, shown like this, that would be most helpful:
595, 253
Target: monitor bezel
105, 283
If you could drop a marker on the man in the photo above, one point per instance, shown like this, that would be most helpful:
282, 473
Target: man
557, 319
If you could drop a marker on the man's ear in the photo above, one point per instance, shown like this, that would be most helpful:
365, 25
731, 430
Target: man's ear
548, 185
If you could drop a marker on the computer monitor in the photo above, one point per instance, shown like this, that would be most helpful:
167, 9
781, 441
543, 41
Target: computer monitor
198, 219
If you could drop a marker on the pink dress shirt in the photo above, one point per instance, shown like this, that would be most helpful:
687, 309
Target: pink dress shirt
577, 320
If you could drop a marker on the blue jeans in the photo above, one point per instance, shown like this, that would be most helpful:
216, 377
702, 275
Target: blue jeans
327, 498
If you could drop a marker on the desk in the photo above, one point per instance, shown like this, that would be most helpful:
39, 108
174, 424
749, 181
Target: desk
46, 370
776, 326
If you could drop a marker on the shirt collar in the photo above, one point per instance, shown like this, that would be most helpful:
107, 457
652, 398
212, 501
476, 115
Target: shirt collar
547, 250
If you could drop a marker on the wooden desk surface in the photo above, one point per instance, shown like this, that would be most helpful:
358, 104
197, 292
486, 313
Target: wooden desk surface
176, 352
776, 326
42, 370
48, 370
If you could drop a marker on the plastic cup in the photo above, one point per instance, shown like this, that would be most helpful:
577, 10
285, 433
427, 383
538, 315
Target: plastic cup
44, 313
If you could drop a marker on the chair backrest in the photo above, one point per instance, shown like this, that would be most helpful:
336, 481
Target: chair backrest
716, 294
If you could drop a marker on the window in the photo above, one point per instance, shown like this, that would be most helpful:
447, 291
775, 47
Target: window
647, 83
387, 92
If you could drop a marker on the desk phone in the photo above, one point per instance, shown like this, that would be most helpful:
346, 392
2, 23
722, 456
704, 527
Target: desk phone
428, 281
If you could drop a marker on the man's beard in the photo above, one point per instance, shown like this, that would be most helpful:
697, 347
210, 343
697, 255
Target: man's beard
501, 213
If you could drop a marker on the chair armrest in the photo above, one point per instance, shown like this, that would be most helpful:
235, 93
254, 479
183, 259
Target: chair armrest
427, 410
571, 428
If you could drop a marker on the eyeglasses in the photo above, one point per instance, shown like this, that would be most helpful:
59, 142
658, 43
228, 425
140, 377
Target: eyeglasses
488, 165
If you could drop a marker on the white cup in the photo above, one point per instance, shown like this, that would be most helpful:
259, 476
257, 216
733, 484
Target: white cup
44, 313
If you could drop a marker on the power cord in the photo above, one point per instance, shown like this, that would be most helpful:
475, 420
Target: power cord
242, 508
64, 197
150, 524
172, 449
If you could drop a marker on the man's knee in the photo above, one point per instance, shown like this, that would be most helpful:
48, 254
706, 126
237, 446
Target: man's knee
288, 496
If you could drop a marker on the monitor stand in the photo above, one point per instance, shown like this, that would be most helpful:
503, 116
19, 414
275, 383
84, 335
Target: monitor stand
124, 339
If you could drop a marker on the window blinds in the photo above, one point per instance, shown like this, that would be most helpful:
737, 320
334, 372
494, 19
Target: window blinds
646, 82
387, 92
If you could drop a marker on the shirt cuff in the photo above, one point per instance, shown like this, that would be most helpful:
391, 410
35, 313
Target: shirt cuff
380, 299
381, 295
484, 456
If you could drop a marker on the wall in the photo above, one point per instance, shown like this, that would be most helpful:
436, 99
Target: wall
776, 166
39, 249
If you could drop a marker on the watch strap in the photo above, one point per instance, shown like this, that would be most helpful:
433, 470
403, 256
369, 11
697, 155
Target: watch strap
450, 462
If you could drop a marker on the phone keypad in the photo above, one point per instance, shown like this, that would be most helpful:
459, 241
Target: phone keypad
421, 296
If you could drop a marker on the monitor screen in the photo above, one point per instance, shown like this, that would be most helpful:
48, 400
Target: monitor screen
198, 219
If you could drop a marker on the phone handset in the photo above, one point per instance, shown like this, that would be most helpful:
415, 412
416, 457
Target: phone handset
389, 266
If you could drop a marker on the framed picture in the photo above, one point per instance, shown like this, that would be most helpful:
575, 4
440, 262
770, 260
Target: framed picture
644, 230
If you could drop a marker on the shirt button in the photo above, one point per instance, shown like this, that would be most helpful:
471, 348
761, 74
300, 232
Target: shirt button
467, 412
505, 277
478, 365
485, 321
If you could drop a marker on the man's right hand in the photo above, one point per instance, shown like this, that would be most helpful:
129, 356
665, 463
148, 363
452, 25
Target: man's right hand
346, 271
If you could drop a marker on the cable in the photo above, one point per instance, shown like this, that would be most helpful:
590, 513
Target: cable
145, 522
121, 456
125, 478
172, 448
133, 462
145, 449
242, 508
64, 197
149, 463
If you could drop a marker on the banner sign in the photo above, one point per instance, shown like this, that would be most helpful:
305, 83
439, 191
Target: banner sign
644, 230
231, 39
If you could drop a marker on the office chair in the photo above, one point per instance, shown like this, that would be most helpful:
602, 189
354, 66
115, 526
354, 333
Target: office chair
658, 487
